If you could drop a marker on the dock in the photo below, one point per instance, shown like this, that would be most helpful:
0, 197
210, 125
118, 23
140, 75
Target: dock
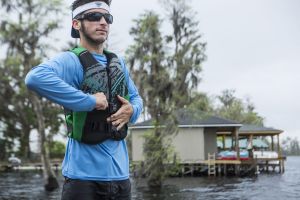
233, 167
215, 167
6, 167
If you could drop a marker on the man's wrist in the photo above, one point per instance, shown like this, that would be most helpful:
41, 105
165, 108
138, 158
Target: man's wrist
132, 117
94, 102
131, 110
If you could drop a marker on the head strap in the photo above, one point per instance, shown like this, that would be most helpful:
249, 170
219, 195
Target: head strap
88, 6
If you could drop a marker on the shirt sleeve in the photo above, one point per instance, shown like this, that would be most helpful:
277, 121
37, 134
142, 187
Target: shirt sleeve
58, 80
134, 97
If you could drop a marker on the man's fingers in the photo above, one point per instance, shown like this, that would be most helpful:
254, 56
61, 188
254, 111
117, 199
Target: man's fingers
105, 104
123, 100
101, 101
120, 125
102, 106
114, 116
116, 123
123, 113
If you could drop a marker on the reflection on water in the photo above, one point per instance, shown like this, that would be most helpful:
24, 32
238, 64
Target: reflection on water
29, 185
25, 185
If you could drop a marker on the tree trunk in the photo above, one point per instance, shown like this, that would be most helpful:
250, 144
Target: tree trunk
156, 171
51, 182
25, 151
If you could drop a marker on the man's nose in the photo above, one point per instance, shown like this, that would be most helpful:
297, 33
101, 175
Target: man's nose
103, 21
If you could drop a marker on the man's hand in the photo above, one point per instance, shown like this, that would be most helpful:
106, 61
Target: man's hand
122, 116
101, 101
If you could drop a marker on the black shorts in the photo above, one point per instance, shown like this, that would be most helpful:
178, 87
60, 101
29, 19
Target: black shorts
74, 189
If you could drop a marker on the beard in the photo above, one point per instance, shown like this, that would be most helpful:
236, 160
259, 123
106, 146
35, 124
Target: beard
88, 37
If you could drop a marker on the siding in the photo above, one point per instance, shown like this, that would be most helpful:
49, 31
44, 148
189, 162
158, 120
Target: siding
188, 144
137, 144
210, 137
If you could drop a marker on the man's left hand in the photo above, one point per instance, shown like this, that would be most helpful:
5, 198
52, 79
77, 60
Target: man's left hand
122, 116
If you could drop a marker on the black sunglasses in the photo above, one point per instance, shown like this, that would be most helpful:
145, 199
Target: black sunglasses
96, 16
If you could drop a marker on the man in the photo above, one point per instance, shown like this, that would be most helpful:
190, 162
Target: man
93, 169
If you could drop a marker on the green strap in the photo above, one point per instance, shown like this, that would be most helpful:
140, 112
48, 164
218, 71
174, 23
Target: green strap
78, 50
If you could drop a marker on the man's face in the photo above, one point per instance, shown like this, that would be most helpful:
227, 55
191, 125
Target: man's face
95, 31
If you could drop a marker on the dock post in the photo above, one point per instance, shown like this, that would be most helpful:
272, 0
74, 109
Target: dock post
237, 170
281, 166
257, 170
192, 169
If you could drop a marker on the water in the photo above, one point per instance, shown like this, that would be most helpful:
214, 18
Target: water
29, 185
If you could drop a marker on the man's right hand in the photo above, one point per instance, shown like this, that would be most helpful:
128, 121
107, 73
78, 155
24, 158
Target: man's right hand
101, 101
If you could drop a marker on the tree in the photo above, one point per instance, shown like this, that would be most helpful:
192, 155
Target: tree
57, 149
16, 125
237, 110
200, 101
188, 55
155, 87
164, 78
2, 149
23, 27
290, 146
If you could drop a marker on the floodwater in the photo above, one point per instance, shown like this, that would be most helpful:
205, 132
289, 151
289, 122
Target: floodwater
29, 185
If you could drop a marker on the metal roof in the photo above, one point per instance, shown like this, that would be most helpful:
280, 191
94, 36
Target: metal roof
255, 128
188, 118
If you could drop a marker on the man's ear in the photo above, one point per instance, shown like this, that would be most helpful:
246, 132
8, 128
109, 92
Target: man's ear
76, 24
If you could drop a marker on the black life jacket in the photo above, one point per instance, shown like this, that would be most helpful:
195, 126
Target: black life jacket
92, 127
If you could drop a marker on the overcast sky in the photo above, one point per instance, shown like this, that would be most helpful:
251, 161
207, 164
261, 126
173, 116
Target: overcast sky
253, 46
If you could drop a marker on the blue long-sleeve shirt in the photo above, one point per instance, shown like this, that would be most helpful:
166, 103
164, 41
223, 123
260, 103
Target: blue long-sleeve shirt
59, 80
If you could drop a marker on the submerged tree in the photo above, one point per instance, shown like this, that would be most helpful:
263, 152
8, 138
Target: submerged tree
24, 26
155, 87
165, 76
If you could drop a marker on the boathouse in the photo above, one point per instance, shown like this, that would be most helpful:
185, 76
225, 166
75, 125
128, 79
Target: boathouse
197, 135
200, 135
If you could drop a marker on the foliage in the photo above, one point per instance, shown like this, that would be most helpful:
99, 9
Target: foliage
236, 109
23, 27
164, 78
290, 146
155, 87
188, 54
2, 149
57, 149
200, 101
147, 65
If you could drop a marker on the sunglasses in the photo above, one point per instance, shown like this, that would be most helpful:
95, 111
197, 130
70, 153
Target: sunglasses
96, 16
